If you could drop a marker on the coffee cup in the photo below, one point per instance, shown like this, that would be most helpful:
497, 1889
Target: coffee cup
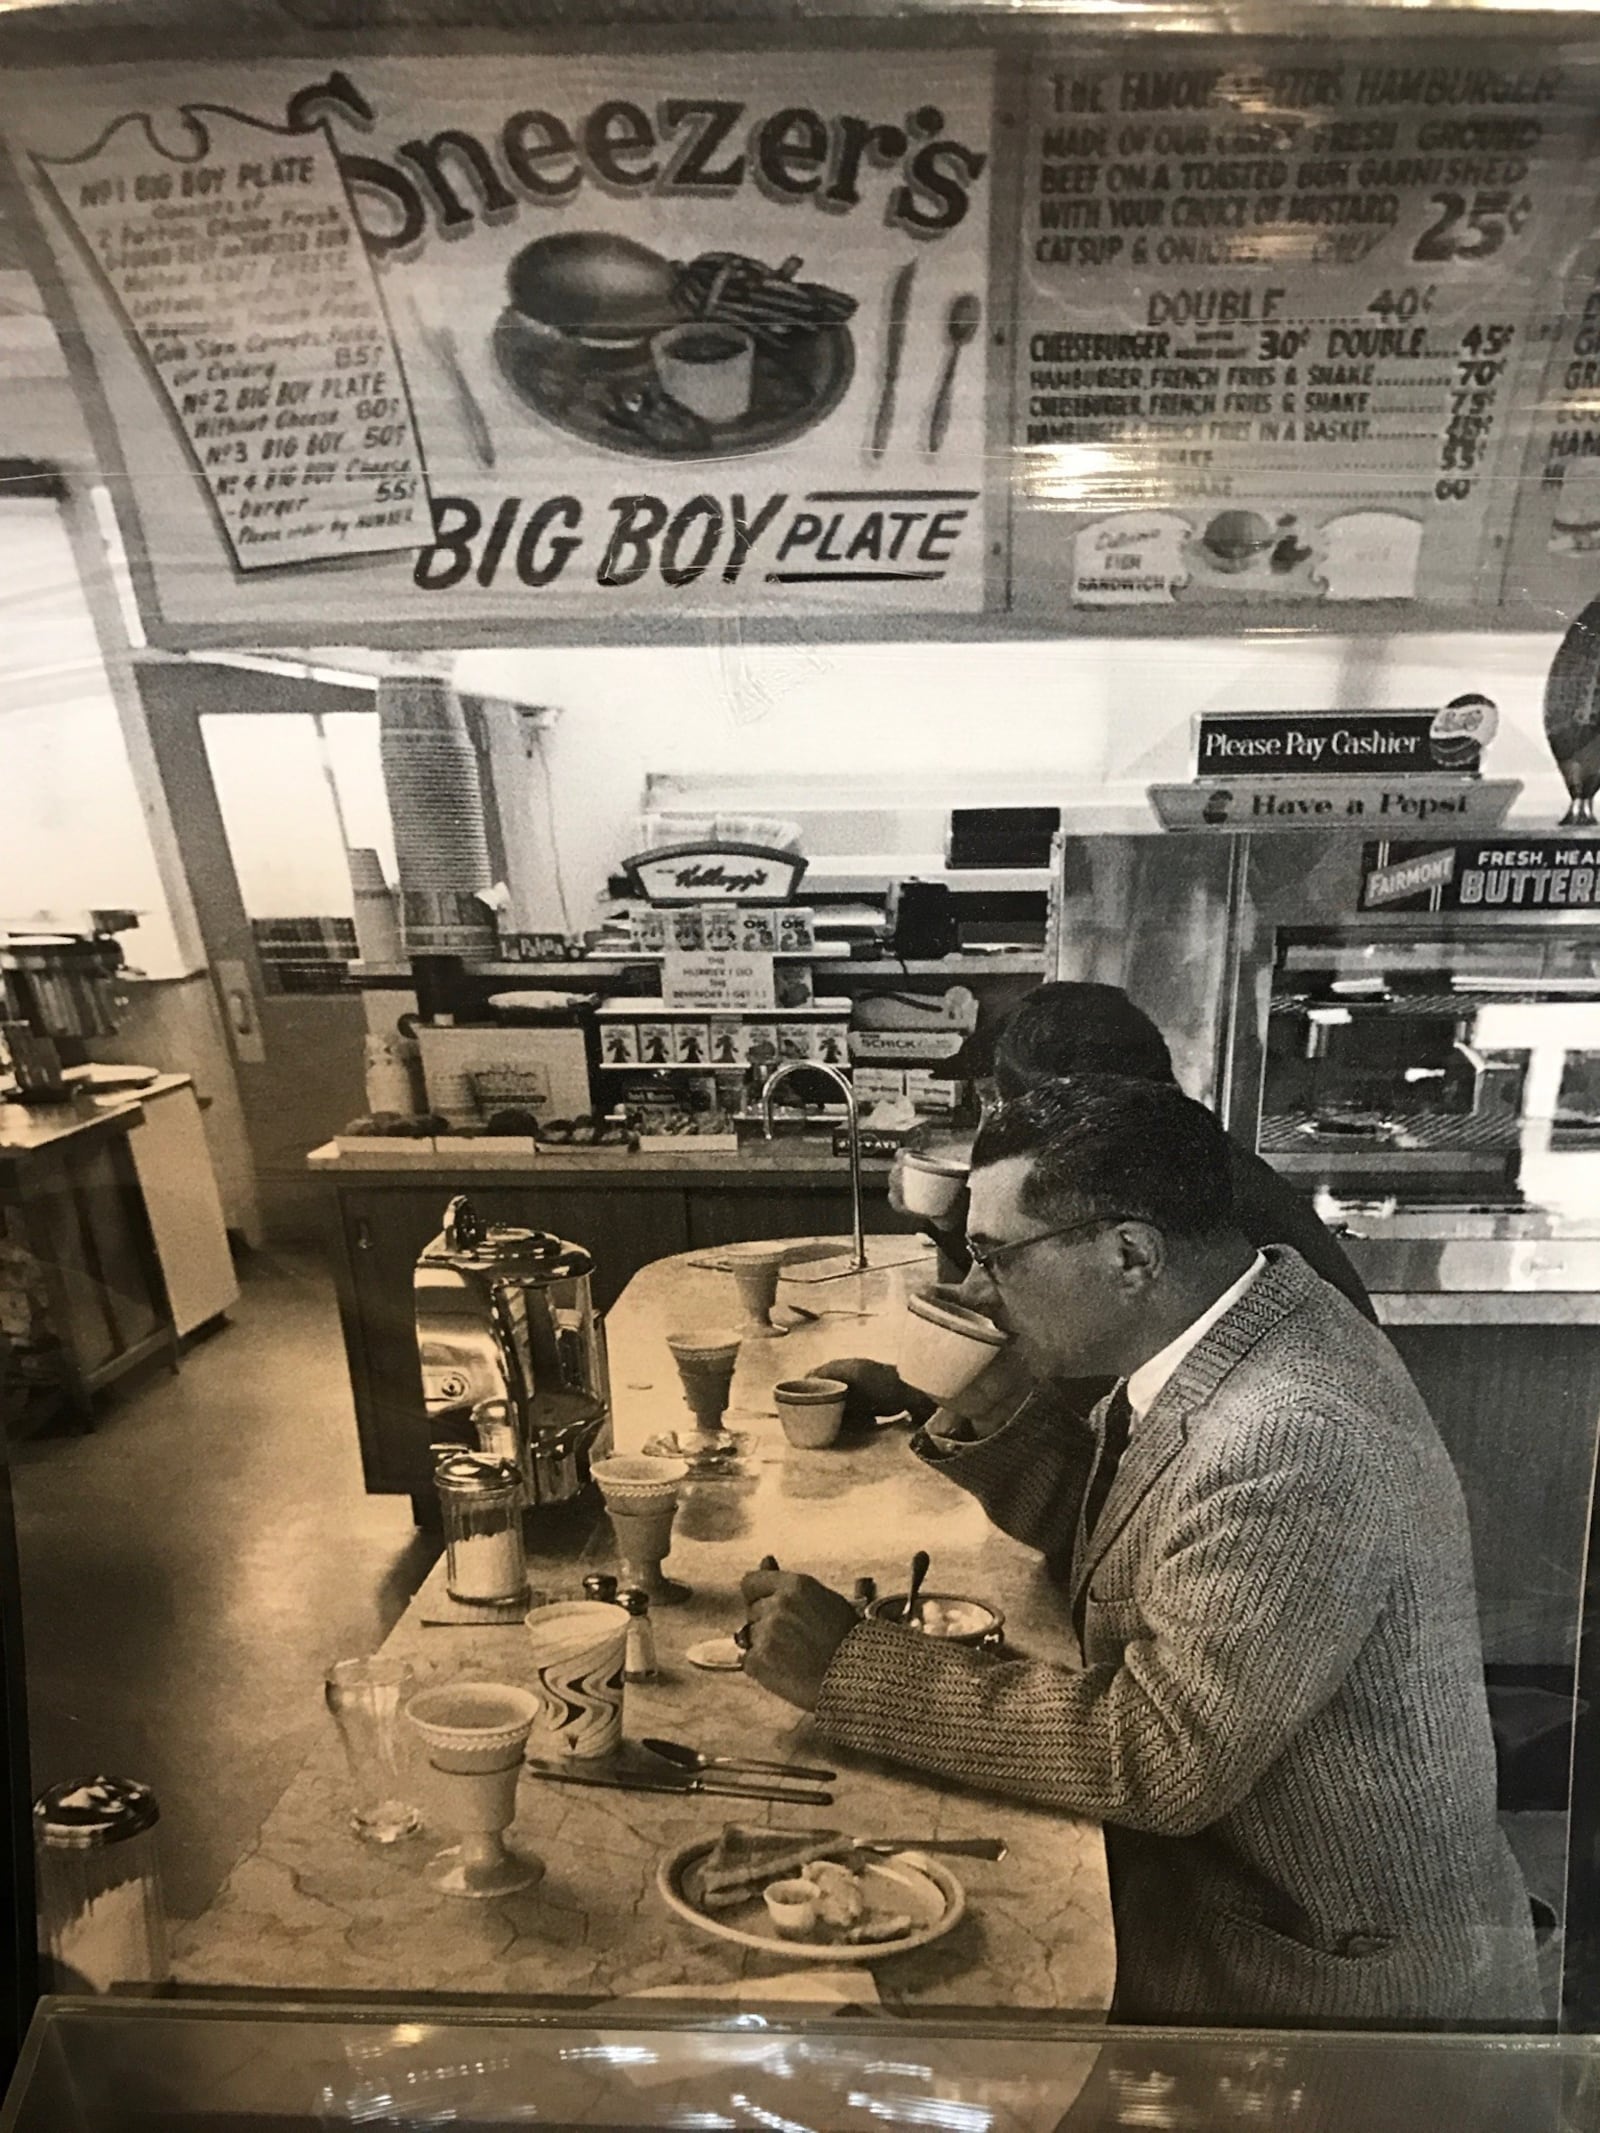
930, 1185
811, 1410
579, 1647
708, 367
944, 1346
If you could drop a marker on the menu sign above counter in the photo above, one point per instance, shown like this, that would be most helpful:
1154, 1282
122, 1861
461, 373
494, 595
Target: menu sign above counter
580, 339
238, 271
1132, 331
1275, 315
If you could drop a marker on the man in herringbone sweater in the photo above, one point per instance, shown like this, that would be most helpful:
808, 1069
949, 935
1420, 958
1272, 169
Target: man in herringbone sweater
1279, 1713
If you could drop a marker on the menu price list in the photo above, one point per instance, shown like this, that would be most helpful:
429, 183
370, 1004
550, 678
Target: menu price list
1273, 312
243, 277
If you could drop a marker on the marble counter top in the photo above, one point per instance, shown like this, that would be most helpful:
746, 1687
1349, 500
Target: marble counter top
787, 1160
311, 1907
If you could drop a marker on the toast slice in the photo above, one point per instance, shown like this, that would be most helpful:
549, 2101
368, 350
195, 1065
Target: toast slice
743, 1860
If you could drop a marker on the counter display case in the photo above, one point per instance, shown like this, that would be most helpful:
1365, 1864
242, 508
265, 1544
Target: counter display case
179, 2067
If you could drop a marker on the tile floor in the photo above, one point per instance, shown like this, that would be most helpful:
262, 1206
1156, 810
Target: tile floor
190, 1567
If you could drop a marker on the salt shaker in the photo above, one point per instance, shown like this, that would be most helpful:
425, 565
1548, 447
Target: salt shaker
101, 1918
481, 1500
639, 1660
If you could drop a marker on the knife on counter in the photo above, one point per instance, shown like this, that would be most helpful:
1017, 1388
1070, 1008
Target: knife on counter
630, 1781
894, 350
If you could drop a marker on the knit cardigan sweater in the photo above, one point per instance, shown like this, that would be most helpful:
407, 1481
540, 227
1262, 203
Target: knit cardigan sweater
1279, 1715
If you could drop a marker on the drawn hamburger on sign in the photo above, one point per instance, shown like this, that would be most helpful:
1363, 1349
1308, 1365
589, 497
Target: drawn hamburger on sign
635, 353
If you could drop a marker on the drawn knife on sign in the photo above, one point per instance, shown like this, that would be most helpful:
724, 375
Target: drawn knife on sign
894, 349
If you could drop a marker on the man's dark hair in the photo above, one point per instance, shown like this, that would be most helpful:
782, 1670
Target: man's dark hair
1064, 1028
1108, 1144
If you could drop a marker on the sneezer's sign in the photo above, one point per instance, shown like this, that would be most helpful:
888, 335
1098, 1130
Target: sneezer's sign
473, 342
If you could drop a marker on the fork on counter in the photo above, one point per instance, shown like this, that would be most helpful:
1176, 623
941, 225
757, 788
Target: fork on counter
691, 1759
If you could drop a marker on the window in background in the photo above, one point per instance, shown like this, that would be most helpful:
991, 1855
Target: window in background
298, 792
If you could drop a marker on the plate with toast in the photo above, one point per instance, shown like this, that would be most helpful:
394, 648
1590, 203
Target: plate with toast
810, 1896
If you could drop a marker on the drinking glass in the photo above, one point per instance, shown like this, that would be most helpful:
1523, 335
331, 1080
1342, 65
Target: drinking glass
365, 1697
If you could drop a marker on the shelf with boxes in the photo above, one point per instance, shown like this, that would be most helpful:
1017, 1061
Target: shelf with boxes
647, 1033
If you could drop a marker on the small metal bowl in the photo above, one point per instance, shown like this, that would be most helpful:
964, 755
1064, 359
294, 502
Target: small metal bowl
892, 1608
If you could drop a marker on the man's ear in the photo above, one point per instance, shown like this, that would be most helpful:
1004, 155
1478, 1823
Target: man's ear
1142, 1250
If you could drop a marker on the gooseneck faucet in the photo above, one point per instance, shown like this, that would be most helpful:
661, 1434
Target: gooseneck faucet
858, 1256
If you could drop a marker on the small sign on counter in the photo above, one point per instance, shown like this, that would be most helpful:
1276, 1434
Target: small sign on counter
1333, 802
718, 984
1351, 744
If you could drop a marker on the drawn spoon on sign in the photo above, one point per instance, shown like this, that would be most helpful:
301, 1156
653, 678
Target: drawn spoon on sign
960, 327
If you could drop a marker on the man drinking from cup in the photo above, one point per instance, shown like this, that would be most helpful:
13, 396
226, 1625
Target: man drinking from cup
1276, 1707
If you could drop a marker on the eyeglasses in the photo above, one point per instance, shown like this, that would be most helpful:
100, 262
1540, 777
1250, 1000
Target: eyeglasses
990, 1258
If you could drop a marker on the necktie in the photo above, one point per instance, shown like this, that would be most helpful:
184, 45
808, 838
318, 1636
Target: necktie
1113, 1443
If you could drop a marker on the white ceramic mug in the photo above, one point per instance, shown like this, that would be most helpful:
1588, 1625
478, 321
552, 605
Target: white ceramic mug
811, 1410
944, 1346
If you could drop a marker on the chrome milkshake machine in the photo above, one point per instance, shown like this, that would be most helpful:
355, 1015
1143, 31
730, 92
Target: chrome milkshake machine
513, 1351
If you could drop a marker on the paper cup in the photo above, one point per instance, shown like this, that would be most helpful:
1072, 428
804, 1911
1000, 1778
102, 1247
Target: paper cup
943, 1346
579, 1647
472, 1725
811, 1410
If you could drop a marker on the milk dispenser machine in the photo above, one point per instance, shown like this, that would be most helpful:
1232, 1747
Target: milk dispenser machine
513, 1351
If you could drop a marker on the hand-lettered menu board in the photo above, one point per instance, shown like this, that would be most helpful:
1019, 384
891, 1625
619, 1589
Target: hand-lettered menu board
1137, 331
237, 268
1277, 316
676, 334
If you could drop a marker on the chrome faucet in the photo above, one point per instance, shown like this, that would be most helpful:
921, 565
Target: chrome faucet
858, 1257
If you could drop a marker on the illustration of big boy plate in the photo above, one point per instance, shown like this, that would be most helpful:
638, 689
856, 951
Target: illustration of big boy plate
638, 354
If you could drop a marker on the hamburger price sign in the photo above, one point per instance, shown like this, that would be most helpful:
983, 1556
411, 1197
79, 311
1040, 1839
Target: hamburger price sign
1118, 330
463, 344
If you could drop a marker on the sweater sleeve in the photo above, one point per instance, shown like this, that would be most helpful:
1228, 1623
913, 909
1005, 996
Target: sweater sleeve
1249, 1615
1030, 1474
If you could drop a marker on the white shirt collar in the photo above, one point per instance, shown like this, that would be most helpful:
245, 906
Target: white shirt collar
1147, 1382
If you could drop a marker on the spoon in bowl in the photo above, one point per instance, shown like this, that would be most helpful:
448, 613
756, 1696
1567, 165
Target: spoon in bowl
919, 1570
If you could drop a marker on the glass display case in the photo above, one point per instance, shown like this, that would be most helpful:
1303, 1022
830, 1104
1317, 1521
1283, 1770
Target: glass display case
149, 2067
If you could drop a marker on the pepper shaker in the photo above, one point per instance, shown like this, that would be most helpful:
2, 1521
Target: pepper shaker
639, 1662
865, 1593
600, 1585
